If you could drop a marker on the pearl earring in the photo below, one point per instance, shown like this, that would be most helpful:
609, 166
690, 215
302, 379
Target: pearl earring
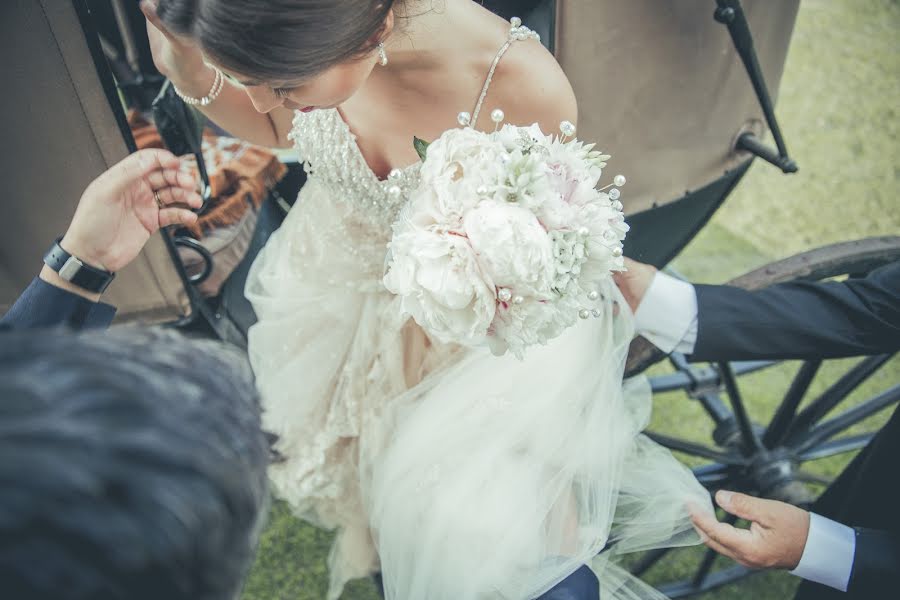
382, 55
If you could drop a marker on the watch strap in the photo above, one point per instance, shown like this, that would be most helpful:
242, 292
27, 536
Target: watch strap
72, 269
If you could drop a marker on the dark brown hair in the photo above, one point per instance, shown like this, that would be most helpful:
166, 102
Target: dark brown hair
279, 40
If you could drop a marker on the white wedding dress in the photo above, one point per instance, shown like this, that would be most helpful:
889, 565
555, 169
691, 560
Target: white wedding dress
460, 475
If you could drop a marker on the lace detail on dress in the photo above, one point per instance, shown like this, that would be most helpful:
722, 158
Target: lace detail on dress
330, 154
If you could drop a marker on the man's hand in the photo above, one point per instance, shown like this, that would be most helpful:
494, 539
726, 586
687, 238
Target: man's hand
634, 282
119, 212
775, 540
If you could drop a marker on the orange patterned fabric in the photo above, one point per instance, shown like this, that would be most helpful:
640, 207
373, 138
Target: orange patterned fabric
240, 174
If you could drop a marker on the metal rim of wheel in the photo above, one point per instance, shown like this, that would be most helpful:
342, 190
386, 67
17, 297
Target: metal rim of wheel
768, 460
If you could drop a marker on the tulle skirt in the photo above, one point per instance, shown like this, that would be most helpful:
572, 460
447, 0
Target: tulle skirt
458, 474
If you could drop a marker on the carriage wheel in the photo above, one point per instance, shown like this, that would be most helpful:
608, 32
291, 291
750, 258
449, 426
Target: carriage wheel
769, 460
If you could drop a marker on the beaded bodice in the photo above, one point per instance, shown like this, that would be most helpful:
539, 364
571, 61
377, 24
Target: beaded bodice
333, 159
331, 156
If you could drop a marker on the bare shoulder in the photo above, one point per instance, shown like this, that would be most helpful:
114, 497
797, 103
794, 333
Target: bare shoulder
530, 87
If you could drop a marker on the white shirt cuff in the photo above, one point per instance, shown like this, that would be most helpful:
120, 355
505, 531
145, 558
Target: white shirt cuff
828, 553
667, 316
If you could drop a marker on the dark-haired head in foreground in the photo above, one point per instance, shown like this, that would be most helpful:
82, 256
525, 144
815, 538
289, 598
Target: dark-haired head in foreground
132, 466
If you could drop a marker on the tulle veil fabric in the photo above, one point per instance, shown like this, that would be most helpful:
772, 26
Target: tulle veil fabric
457, 474
508, 475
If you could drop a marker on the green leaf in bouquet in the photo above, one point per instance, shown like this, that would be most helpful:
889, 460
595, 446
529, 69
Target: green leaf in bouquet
421, 147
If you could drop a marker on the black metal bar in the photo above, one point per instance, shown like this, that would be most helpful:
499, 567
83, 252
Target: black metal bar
838, 446
751, 366
208, 260
715, 408
92, 39
786, 412
708, 559
731, 14
681, 381
712, 476
131, 51
848, 418
748, 142
683, 589
672, 382
751, 441
703, 387
835, 394
696, 449
647, 561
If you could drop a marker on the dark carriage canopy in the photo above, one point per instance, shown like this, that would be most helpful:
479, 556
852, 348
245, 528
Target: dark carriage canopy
661, 88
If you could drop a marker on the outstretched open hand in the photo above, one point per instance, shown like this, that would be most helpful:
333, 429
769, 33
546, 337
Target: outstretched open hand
124, 206
776, 537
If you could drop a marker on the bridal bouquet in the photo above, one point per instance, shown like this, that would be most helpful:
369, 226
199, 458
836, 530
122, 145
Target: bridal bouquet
506, 240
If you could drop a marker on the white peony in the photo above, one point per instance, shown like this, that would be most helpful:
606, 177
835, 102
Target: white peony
511, 246
518, 326
441, 285
456, 149
506, 241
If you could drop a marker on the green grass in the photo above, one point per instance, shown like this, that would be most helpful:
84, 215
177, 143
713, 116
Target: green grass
838, 109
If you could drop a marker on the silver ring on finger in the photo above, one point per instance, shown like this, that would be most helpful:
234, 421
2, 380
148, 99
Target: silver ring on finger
156, 197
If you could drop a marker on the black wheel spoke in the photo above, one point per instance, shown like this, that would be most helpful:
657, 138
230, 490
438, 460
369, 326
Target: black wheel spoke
648, 560
709, 559
714, 407
807, 477
685, 589
712, 476
838, 446
688, 376
705, 566
848, 418
802, 428
822, 405
669, 383
703, 386
786, 412
695, 449
746, 367
751, 441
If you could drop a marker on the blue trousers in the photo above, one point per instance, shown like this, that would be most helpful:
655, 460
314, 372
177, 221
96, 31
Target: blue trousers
580, 585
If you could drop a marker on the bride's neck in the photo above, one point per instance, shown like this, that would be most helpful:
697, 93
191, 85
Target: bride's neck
434, 37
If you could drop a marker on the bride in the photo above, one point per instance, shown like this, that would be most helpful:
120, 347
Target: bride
458, 474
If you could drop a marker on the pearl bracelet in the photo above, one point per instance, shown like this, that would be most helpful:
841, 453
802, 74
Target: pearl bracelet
214, 91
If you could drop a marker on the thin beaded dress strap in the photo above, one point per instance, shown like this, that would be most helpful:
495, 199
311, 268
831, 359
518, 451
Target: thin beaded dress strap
517, 32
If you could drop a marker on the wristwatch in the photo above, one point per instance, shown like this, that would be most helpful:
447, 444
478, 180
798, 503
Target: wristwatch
72, 269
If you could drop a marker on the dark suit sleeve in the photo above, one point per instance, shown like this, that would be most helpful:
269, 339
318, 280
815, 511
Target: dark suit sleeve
44, 305
800, 320
876, 564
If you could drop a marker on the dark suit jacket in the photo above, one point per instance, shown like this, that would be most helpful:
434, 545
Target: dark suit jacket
826, 320
867, 496
42, 305
800, 320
